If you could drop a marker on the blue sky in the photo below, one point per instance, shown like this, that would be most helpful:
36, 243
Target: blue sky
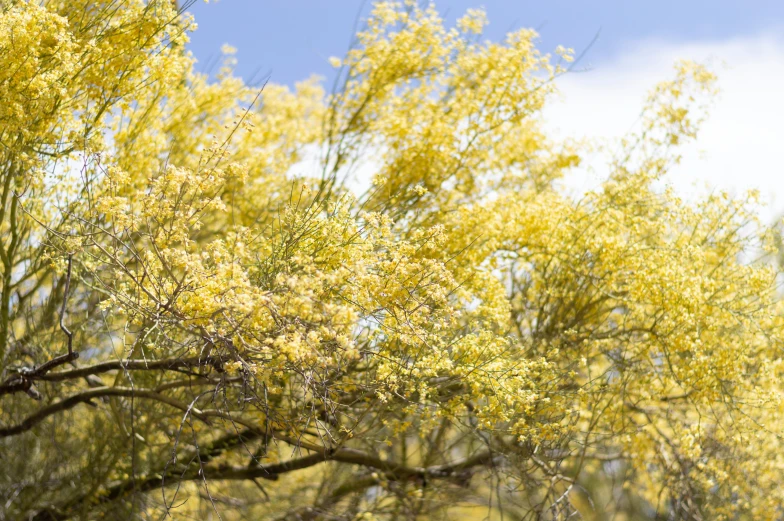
742, 40
291, 39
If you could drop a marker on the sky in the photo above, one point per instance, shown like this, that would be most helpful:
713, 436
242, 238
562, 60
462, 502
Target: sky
629, 46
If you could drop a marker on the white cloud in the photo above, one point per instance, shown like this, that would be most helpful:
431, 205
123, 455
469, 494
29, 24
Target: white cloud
740, 145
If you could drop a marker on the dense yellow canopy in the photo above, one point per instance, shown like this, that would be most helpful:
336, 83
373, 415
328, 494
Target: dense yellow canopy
202, 314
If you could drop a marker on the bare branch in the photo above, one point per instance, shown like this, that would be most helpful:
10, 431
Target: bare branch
23, 380
134, 365
393, 471
85, 396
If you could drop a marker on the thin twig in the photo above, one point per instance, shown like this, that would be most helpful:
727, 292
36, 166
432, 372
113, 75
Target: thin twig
62, 308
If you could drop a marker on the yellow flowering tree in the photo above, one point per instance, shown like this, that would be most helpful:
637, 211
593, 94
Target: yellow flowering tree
201, 314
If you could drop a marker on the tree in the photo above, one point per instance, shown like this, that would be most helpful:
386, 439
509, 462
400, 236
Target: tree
201, 314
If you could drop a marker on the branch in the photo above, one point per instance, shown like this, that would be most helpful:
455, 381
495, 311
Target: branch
152, 394
312, 512
393, 471
85, 396
23, 381
132, 365
399, 471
